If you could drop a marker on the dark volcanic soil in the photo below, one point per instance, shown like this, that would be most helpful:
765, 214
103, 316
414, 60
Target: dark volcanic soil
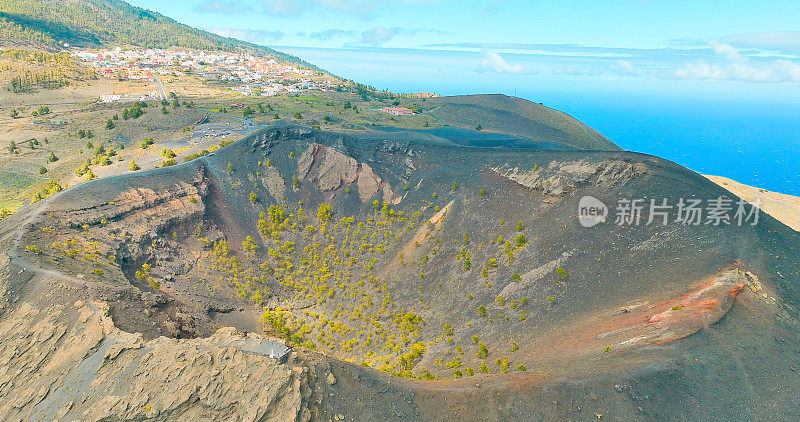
447, 281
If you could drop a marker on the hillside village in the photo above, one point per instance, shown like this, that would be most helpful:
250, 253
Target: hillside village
246, 74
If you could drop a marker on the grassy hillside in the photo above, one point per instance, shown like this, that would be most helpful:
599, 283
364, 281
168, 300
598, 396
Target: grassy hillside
49, 23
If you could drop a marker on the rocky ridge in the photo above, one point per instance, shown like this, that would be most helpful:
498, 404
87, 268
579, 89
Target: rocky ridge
75, 364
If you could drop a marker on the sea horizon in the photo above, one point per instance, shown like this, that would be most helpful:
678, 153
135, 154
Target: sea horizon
737, 130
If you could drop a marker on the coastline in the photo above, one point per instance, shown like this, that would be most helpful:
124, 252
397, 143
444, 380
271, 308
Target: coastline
785, 208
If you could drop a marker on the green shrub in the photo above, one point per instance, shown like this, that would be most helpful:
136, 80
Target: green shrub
483, 351
324, 213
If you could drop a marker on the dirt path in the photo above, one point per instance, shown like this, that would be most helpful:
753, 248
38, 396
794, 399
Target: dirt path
19, 260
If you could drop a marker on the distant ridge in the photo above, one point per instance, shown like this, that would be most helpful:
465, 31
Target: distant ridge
519, 117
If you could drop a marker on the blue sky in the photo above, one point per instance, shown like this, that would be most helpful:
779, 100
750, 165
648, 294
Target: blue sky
697, 40
413, 23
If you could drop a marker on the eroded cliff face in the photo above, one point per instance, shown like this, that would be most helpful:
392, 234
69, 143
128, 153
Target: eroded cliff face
72, 363
562, 177
125, 226
333, 171
100, 241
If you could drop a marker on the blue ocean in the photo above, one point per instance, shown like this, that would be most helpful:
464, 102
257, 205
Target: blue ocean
755, 144
747, 132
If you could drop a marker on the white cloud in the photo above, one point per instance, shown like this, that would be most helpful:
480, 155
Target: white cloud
257, 36
568, 71
777, 71
285, 7
738, 68
220, 7
362, 8
786, 41
357, 7
625, 68
379, 35
790, 69
727, 51
493, 61
331, 33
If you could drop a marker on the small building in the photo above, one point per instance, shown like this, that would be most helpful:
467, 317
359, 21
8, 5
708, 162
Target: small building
397, 111
110, 98
264, 347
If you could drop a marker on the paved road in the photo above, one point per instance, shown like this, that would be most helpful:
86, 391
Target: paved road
247, 121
